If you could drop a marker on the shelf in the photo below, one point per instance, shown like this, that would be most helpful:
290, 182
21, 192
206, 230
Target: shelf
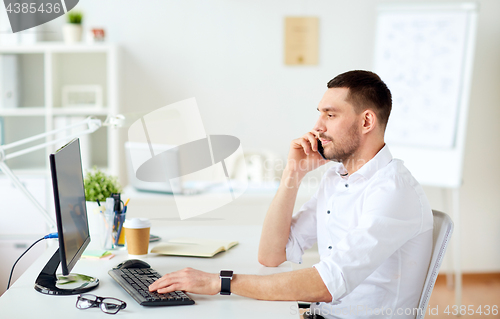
23, 111
20, 172
56, 47
21, 237
41, 111
80, 111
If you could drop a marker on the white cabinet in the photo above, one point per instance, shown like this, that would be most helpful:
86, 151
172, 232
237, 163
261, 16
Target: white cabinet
21, 224
10, 251
18, 215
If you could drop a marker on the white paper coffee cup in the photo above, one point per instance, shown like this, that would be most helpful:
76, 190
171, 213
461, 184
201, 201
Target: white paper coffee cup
137, 235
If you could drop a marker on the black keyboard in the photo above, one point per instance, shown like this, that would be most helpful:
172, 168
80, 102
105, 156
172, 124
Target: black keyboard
136, 281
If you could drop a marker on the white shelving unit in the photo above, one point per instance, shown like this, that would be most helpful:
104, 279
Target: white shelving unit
43, 69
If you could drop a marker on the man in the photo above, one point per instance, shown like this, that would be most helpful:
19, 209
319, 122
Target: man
370, 217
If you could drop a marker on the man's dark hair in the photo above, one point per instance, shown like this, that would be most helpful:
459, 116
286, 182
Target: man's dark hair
366, 91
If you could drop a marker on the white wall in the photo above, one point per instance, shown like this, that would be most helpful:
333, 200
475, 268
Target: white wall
229, 55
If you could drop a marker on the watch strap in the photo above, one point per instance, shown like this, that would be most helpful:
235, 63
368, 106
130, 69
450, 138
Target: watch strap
225, 281
225, 286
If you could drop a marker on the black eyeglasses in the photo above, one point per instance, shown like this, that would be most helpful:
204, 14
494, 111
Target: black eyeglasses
107, 304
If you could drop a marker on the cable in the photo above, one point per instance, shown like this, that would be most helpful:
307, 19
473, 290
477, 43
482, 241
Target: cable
51, 235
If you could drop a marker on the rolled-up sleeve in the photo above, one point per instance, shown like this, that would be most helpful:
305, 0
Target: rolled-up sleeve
303, 231
389, 219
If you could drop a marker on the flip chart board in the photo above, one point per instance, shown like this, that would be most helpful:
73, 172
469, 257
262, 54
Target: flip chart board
424, 54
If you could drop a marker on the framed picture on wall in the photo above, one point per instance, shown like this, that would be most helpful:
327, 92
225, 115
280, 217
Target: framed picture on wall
82, 96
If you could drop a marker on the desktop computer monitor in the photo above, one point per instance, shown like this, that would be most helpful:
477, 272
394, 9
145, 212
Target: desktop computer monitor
72, 225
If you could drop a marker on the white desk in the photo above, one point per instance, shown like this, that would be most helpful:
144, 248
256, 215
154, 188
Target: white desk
22, 301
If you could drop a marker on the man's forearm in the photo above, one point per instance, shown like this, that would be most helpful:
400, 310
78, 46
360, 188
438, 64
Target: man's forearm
299, 285
276, 227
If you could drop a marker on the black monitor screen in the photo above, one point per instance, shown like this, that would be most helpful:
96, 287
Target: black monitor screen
69, 197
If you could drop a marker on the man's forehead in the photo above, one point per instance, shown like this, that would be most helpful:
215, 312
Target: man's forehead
340, 92
334, 100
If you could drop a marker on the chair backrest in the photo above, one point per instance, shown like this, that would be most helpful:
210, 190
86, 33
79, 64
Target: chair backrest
443, 228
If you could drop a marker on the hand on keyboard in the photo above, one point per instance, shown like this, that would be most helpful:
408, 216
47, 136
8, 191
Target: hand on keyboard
135, 281
189, 280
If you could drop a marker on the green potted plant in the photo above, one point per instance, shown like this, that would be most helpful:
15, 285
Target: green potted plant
99, 185
72, 30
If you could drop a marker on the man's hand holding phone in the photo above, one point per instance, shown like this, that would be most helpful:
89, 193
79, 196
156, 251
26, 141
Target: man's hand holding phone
304, 155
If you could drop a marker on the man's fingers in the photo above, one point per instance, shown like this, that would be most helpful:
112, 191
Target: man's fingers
166, 290
308, 143
306, 146
164, 286
313, 140
164, 281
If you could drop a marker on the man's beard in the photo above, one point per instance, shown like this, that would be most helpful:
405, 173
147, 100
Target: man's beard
341, 150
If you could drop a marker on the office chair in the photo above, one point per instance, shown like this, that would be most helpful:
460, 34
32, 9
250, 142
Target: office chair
441, 235
443, 228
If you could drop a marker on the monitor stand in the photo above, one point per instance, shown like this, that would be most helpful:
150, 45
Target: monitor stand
51, 284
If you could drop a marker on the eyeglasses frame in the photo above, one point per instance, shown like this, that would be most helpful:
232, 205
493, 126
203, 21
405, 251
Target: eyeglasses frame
99, 303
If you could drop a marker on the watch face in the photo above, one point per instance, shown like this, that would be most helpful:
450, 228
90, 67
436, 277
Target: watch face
226, 273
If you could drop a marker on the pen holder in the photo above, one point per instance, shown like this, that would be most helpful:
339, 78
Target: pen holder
107, 239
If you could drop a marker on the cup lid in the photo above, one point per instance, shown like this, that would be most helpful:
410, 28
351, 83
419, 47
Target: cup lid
136, 223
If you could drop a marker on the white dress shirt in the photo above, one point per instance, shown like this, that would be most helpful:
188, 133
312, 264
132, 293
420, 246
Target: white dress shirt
374, 234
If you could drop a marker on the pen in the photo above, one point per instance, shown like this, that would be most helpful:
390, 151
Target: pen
120, 226
110, 202
121, 220
125, 206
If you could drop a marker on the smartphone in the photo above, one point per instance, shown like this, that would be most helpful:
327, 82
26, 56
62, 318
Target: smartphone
321, 151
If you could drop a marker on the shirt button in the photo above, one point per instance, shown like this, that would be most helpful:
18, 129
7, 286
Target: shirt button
346, 185
328, 212
329, 247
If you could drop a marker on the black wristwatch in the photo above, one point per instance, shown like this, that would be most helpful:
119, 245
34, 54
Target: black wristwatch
225, 281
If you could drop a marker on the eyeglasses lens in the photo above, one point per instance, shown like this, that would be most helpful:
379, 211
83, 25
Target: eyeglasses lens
110, 305
86, 301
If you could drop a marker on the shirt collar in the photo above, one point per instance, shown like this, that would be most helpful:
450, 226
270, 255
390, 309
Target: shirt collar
380, 160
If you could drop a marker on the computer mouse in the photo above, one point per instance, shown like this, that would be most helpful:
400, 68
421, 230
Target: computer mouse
132, 263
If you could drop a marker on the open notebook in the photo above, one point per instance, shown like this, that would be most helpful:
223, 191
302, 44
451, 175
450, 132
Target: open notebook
194, 247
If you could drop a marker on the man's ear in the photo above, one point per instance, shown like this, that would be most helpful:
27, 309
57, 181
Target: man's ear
369, 121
